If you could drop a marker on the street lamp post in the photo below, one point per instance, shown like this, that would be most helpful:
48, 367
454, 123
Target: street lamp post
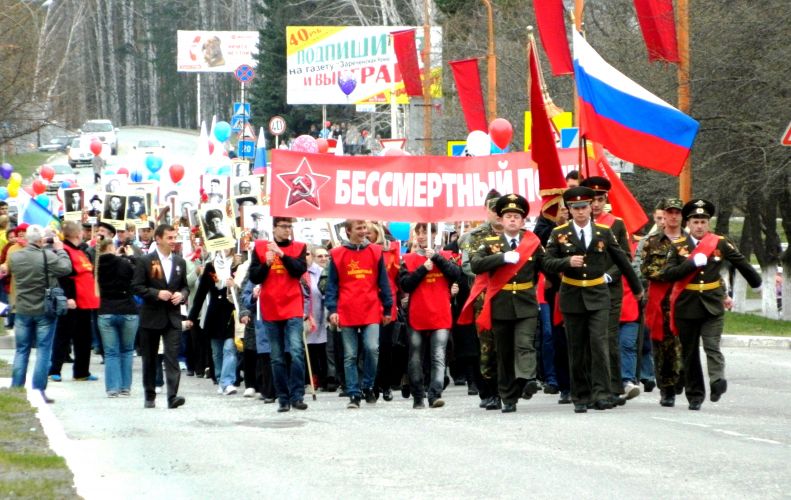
491, 65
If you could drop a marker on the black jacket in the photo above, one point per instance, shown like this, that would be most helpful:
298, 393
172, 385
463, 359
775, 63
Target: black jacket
146, 283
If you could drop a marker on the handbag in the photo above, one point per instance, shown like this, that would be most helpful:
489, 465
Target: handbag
55, 302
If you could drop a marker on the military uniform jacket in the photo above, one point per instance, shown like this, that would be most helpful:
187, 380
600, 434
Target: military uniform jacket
469, 243
509, 304
618, 229
603, 249
692, 304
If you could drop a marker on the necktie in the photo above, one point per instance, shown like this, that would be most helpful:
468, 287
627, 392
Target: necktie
513, 243
582, 238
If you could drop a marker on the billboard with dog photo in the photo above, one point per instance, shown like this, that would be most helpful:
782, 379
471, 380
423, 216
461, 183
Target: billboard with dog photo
216, 51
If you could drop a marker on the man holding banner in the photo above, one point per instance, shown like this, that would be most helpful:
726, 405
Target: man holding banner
511, 262
357, 293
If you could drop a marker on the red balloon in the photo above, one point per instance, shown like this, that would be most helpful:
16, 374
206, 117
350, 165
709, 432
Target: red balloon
328, 124
324, 146
39, 187
176, 173
211, 147
123, 170
393, 152
501, 131
47, 172
96, 147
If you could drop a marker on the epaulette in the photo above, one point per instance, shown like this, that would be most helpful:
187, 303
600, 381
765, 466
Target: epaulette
603, 226
680, 240
492, 238
562, 226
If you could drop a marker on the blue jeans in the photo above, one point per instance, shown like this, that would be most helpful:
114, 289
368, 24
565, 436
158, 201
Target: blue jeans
118, 338
647, 358
290, 387
41, 329
223, 353
438, 341
627, 335
370, 334
547, 344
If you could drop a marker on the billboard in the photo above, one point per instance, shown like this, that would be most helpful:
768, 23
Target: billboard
351, 64
216, 51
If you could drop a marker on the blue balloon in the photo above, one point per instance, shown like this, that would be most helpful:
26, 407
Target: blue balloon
3, 192
224, 170
399, 230
65, 184
109, 172
497, 151
153, 176
212, 170
136, 176
153, 163
222, 131
43, 200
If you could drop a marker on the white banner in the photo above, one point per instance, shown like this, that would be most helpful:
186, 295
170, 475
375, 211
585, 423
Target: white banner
216, 51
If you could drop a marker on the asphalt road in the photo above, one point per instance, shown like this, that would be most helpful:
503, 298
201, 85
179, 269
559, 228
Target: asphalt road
231, 447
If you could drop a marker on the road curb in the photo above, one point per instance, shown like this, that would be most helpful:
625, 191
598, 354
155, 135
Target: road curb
756, 341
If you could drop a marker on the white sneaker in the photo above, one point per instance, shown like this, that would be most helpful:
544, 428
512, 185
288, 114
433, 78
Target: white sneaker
229, 390
219, 390
630, 391
183, 366
249, 392
158, 390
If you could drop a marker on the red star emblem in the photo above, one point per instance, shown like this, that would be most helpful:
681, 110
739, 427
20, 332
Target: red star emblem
303, 185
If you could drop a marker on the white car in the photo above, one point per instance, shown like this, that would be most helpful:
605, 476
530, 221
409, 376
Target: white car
102, 130
149, 146
80, 152
63, 172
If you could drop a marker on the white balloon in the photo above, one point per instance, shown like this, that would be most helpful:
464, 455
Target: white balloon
479, 143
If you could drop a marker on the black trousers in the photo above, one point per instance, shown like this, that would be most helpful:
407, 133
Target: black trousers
75, 327
589, 362
613, 339
149, 345
318, 363
692, 332
201, 350
516, 355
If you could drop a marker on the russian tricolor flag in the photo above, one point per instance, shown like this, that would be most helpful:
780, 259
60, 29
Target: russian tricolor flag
631, 122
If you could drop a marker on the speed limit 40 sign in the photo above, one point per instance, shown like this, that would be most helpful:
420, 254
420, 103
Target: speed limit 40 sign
277, 125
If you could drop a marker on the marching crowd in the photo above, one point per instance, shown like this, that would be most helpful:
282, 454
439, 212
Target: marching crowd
576, 307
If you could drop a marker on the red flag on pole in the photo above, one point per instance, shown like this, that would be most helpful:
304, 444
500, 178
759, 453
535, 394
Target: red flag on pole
551, 181
623, 203
552, 29
468, 84
406, 53
658, 25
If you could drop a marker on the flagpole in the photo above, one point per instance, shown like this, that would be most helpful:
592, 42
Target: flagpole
684, 101
491, 65
426, 80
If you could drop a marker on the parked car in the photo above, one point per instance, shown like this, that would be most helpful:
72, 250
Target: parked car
102, 130
63, 172
149, 146
58, 144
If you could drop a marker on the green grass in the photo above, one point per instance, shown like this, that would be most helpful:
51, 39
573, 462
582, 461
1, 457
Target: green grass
5, 369
26, 163
749, 324
28, 467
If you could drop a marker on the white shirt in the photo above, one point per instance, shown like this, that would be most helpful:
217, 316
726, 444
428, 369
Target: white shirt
588, 230
510, 238
167, 264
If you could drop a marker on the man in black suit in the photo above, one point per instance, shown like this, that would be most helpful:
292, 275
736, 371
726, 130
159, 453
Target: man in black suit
582, 251
161, 281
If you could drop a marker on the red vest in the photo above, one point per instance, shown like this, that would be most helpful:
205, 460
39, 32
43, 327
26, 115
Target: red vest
629, 309
83, 278
358, 285
429, 303
392, 265
281, 294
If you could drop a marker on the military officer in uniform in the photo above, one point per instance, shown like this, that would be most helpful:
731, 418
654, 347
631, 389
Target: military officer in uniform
468, 243
601, 186
512, 261
582, 251
666, 345
698, 296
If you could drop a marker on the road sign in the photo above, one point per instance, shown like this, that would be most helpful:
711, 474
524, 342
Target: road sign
247, 132
239, 110
786, 139
237, 123
246, 149
569, 137
244, 73
277, 125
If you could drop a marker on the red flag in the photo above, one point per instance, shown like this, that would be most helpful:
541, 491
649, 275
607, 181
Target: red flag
406, 53
551, 181
468, 84
659, 29
623, 203
552, 29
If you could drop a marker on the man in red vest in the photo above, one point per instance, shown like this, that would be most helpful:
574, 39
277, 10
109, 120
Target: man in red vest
357, 295
426, 276
601, 186
277, 266
512, 261
75, 326
697, 300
